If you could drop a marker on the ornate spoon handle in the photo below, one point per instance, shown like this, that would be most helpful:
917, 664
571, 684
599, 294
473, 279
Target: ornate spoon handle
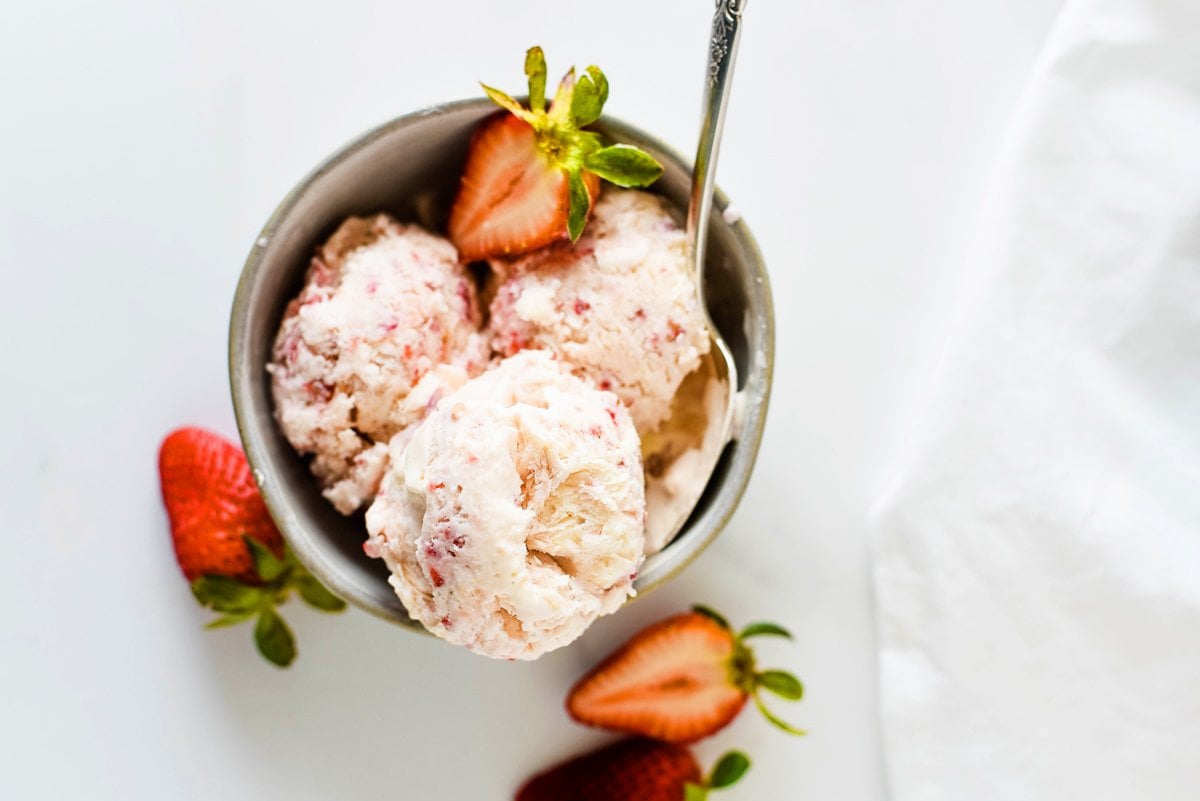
722, 50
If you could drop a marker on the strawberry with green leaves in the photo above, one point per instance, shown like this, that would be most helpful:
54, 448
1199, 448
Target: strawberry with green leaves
634, 769
532, 173
226, 543
682, 679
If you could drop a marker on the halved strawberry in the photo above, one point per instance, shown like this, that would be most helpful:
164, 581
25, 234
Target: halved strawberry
532, 173
513, 198
681, 680
635, 769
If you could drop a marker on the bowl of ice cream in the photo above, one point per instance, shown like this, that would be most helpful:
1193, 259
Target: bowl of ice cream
390, 180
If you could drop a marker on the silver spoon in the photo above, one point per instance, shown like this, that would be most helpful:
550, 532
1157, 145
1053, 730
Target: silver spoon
723, 45
726, 33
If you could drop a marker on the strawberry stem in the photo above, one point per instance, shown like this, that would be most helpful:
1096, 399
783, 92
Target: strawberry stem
239, 602
744, 674
773, 719
564, 141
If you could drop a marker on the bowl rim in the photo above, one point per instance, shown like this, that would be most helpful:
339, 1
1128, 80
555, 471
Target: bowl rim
749, 426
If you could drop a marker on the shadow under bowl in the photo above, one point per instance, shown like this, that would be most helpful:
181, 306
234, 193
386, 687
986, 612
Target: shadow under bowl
409, 167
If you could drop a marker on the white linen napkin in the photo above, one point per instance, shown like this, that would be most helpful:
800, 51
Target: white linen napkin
1037, 563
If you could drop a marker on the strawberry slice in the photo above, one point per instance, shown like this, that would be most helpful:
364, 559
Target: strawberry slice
680, 680
532, 174
635, 769
226, 543
512, 198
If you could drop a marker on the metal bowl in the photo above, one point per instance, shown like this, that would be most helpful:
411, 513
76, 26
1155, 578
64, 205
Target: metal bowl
409, 167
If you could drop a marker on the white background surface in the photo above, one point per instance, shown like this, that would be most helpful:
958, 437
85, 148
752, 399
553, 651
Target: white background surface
142, 146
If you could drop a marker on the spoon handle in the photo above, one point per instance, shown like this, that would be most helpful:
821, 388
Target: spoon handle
722, 50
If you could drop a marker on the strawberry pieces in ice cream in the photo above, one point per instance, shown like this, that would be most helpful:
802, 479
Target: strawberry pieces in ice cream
513, 517
618, 306
387, 322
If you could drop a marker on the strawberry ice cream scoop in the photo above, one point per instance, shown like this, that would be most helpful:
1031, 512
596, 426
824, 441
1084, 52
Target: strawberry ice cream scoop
513, 517
618, 306
387, 322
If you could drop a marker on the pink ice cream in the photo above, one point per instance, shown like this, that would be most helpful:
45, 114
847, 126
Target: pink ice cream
618, 306
387, 323
513, 517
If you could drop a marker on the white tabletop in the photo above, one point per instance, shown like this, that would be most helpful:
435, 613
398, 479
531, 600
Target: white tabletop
145, 143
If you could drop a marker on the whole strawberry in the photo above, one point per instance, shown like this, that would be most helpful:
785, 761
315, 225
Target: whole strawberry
681, 679
226, 543
532, 173
635, 769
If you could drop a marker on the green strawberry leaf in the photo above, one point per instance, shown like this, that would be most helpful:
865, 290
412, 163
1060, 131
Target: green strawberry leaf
775, 721
317, 596
785, 685
229, 620
712, 614
508, 102
535, 71
764, 630
274, 639
268, 566
226, 594
202, 591
730, 768
585, 143
694, 792
289, 556
560, 107
581, 202
296, 568
591, 93
624, 165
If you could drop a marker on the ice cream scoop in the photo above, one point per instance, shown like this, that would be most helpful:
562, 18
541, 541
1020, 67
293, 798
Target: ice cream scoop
618, 306
513, 516
386, 323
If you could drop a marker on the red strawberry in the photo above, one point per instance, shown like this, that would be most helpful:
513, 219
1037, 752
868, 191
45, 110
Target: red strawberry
635, 769
681, 680
532, 173
226, 543
212, 501
513, 198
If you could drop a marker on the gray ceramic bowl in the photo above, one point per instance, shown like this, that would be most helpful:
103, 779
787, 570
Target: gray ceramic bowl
389, 169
